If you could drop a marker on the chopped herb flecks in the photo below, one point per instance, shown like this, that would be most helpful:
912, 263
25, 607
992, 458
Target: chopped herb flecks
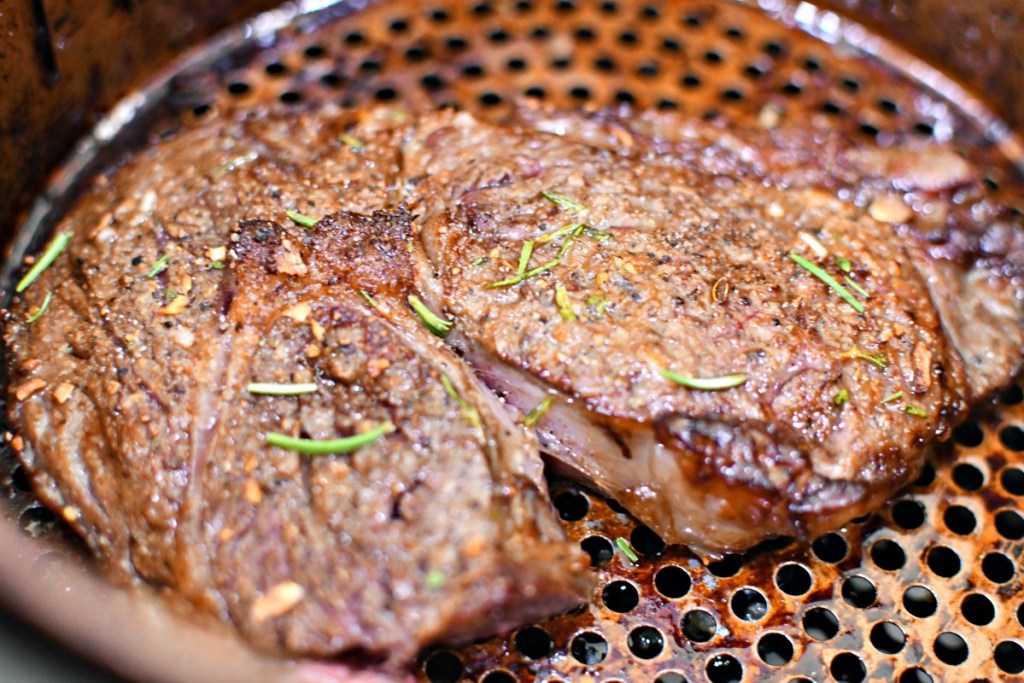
842, 397
539, 411
159, 267
857, 288
369, 299
601, 236
330, 446
353, 142
524, 261
271, 389
564, 306
915, 411
877, 359
817, 272
217, 265
893, 397
567, 203
302, 219
705, 383
50, 254
435, 579
561, 232
627, 549
436, 324
471, 413
598, 304
38, 313
844, 264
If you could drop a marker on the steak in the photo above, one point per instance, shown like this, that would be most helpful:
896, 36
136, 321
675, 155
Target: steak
182, 285
601, 267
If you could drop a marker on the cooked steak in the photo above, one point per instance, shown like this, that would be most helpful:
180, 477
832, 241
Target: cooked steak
182, 285
728, 346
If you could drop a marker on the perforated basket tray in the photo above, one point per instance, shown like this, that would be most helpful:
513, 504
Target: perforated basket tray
929, 587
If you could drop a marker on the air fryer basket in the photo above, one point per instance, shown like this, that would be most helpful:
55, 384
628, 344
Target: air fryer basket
926, 589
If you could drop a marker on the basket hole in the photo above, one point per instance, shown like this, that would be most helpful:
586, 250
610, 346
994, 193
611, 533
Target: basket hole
753, 71
1012, 438
713, 57
332, 79
585, 34
1013, 481
19, 477
821, 624
887, 637
275, 69
944, 561
498, 676
732, 95
672, 581
37, 521
1010, 525
848, 667
417, 53
968, 434
859, 592
923, 128
386, 94
315, 52
670, 677
671, 45
536, 92
572, 505
1013, 395
735, 33
831, 108
620, 596
499, 36
239, 88
908, 514
773, 48
951, 648
629, 38
960, 520
534, 642
997, 567
599, 548
201, 110
625, 97
888, 555
565, 6
443, 667
605, 64
666, 104
699, 625
432, 82
589, 648
456, 43
439, 16
775, 649
887, 106
650, 13
749, 605
919, 601
724, 669
646, 542
580, 92
354, 38
869, 129
693, 20
729, 565
646, 642
978, 609
850, 84
473, 71
691, 81
1010, 657
915, 675
830, 548
1020, 614
516, 64
648, 70
792, 89
369, 67
812, 64
926, 477
793, 579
